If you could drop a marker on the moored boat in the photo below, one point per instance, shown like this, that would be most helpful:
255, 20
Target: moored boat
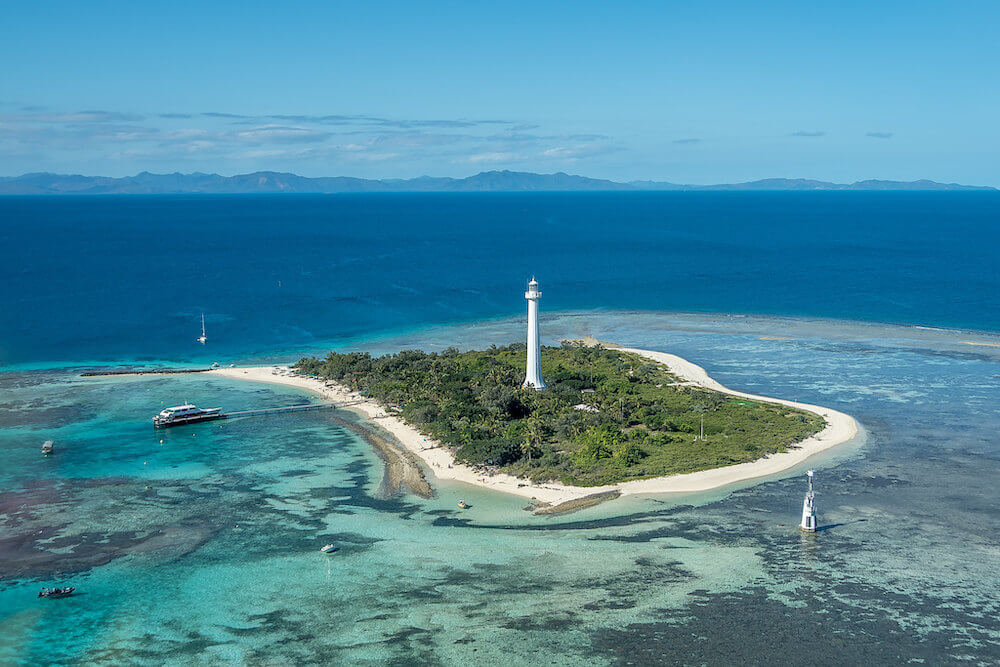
463, 504
185, 414
56, 592
47, 447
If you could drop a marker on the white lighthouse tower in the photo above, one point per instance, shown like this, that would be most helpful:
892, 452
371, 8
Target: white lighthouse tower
533, 373
809, 509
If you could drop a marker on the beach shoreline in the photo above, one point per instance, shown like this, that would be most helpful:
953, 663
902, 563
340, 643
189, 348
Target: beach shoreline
439, 461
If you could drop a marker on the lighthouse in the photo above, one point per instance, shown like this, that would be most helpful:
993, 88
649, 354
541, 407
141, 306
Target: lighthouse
809, 509
533, 372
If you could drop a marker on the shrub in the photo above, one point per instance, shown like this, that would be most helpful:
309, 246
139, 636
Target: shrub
629, 454
500, 451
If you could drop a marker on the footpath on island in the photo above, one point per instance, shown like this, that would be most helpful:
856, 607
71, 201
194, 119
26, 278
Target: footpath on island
438, 459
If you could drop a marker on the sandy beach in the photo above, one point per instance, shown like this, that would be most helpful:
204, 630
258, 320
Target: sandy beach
840, 428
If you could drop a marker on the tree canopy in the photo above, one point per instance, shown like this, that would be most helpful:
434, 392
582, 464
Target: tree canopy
607, 416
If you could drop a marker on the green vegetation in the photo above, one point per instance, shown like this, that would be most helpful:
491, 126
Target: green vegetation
607, 416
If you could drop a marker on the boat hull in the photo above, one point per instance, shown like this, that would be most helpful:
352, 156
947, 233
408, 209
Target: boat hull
180, 421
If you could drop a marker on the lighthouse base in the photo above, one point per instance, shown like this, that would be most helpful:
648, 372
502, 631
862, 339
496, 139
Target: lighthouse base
808, 514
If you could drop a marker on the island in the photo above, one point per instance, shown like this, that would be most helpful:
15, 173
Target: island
610, 421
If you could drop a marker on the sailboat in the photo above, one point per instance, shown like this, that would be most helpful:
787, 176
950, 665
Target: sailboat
202, 338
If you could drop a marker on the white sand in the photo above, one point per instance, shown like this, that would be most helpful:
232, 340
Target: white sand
840, 428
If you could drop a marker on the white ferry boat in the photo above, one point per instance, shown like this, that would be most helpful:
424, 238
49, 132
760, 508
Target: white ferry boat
185, 414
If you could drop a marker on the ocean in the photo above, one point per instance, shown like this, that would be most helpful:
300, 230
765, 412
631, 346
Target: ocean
200, 543
127, 278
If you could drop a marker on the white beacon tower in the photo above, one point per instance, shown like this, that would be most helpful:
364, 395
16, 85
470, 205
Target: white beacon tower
533, 373
809, 509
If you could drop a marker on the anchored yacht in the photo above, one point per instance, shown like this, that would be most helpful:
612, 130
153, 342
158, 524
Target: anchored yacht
185, 414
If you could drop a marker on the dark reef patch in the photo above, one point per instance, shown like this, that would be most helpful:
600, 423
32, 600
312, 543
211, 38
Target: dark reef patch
724, 628
36, 413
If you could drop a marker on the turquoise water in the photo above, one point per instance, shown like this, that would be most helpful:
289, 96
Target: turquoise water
204, 548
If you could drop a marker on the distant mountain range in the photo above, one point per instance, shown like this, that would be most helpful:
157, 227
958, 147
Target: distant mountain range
487, 181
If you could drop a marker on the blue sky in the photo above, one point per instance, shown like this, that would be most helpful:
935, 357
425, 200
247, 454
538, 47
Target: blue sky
692, 92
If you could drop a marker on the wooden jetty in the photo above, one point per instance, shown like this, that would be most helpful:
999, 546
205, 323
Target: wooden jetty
186, 419
288, 408
143, 371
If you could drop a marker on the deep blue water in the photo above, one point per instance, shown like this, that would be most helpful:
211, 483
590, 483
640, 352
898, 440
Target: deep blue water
127, 278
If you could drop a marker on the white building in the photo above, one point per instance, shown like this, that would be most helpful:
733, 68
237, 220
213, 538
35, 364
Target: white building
533, 372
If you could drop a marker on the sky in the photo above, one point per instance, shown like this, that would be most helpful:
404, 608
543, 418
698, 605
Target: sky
687, 92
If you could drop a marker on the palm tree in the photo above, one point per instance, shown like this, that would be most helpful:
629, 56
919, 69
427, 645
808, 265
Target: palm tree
534, 436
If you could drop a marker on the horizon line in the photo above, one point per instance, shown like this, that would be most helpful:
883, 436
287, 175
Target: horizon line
594, 182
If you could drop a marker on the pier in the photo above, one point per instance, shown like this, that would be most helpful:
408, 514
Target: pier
288, 408
143, 371
183, 415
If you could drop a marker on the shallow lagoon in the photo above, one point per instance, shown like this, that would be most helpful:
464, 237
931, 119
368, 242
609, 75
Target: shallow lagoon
205, 547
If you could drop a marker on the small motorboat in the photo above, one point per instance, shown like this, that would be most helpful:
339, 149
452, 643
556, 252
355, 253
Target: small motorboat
463, 504
47, 447
329, 549
56, 592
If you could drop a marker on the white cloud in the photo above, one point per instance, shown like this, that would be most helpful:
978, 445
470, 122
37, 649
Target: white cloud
479, 158
210, 141
282, 134
578, 152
